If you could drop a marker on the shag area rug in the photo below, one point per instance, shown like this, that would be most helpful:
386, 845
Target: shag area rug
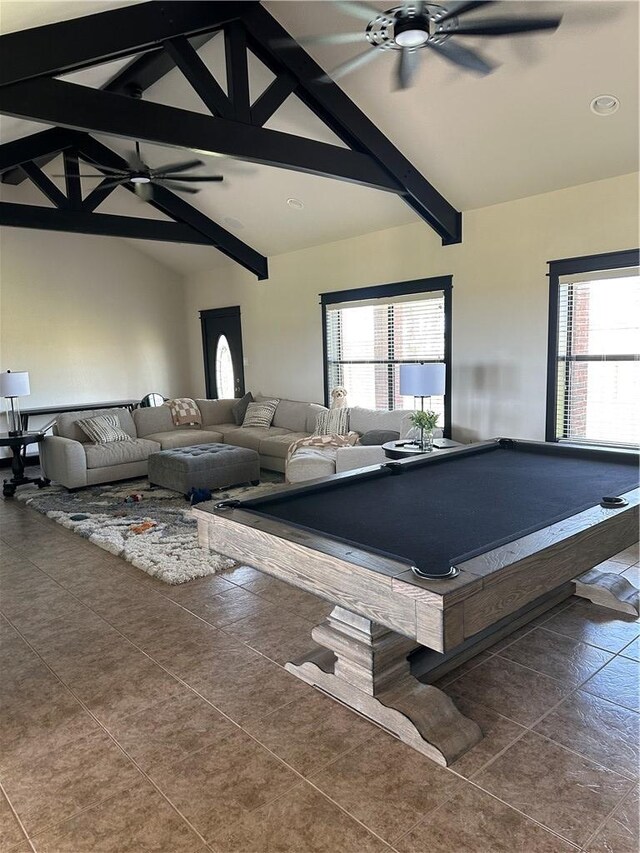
155, 533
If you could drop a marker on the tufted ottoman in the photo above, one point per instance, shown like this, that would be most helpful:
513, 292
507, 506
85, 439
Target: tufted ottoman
203, 466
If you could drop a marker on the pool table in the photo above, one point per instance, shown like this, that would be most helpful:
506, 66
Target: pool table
429, 560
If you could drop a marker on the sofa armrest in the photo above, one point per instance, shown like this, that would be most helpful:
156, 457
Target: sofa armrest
358, 456
64, 461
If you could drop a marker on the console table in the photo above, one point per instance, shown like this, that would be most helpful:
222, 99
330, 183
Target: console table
25, 414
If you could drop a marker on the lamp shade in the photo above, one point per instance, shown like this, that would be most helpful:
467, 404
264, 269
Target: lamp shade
422, 380
14, 384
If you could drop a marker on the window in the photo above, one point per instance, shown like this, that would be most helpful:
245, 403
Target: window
224, 370
594, 350
370, 332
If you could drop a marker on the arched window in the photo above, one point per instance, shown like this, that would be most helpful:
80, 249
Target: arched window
224, 370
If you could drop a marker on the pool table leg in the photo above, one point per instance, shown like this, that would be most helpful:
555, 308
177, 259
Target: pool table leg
609, 590
366, 667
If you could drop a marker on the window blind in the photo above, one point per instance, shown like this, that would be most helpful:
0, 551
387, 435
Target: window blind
368, 340
598, 358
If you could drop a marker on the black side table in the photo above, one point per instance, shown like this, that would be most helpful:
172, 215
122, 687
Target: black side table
18, 445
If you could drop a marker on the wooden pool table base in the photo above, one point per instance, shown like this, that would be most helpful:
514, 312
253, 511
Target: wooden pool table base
365, 666
608, 589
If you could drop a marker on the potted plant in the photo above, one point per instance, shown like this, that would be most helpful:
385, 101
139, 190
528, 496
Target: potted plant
426, 422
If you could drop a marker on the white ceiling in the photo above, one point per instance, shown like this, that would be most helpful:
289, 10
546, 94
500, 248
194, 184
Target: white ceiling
523, 130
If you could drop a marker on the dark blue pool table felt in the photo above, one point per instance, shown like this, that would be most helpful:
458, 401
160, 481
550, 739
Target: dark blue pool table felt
437, 515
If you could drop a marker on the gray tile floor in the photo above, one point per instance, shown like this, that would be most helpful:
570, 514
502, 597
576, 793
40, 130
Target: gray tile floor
141, 717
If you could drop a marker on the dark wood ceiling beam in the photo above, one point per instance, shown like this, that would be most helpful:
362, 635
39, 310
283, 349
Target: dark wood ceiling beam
81, 108
33, 147
235, 52
198, 75
146, 70
278, 51
98, 194
45, 185
72, 178
105, 225
272, 99
137, 76
172, 205
60, 48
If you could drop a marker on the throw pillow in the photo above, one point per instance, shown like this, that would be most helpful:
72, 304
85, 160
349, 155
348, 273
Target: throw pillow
379, 436
260, 414
332, 422
239, 409
184, 411
103, 429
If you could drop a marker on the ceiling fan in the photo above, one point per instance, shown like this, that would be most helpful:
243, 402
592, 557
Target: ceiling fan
144, 178
418, 24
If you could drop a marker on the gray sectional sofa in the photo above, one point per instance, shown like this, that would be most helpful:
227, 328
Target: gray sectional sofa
69, 458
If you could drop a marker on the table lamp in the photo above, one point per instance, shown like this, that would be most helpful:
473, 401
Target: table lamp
12, 386
422, 380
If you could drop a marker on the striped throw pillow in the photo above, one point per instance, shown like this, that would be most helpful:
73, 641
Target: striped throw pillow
260, 414
103, 429
332, 422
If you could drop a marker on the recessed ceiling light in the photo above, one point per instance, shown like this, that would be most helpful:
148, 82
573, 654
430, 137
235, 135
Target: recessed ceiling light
604, 105
295, 203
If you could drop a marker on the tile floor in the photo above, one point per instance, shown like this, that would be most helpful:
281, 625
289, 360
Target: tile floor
141, 717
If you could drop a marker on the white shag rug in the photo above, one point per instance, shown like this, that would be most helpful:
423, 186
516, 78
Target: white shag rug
157, 534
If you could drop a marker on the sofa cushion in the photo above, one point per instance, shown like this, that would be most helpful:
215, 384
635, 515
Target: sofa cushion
312, 416
332, 422
307, 463
154, 419
379, 436
239, 409
278, 445
251, 437
291, 415
103, 429
185, 438
363, 420
67, 426
216, 412
260, 414
119, 452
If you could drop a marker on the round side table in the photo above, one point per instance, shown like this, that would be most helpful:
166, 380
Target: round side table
18, 445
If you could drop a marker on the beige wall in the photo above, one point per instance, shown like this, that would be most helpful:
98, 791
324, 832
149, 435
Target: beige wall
499, 300
90, 318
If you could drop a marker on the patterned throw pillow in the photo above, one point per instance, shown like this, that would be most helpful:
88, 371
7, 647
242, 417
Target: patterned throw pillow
184, 411
103, 429
332, 422
260, 414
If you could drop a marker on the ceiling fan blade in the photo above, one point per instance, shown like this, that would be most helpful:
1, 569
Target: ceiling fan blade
359, 10
193, 178
462, 56
454, 10
135, 161
408, 63
507, 26
117, 183
143, 191
182, 166
98, 177
352, 64
108, 169
171, 185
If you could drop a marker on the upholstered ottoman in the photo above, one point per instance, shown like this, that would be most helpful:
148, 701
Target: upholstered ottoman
203, 466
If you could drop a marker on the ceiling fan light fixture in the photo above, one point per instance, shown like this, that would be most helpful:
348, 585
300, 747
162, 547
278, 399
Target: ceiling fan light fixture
604, 105
139, 179
411, 32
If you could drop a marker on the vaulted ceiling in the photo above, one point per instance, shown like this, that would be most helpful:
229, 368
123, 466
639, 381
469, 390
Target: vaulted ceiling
525, 129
